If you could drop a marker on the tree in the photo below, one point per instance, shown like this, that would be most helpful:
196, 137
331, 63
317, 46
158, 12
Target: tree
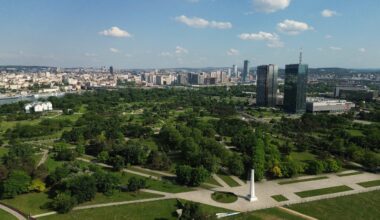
117, 162
192, 211
332, 165
37, 186
371, 160
170, 137
236, 165
159, 161
183, 174
199, 175
106, 183
315, 167
63, 203
103, 157
3, 173
276, 172
82, 187
134, 184
17, 183
259, 160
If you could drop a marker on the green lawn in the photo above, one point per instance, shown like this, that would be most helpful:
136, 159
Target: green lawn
30, 203
224, 197
266, 214
52, 164
323, 191
352, 207
120, 196
212, 181
370, 183
6, 216
350, 174
227, 179
137, 169
159, 185
355, 133
302, 180
279, 198
162, 209
302, 156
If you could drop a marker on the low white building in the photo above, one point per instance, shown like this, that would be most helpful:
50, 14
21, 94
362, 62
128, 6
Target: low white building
38, 107
328, 105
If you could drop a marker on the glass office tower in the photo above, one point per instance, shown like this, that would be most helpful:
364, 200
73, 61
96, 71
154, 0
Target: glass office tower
266, 91
245, 71
295, 88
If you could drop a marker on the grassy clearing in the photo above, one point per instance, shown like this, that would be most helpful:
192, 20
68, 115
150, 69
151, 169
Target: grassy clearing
30, 203
227, 179
271, 214
323, 191
137, 169
120, 196
52, 164
279, 198
355, 133
302, 156
350, 174
224, 197
370, 183
302, 180
3, 151
162, 209
5, 215
352, 207
212, 181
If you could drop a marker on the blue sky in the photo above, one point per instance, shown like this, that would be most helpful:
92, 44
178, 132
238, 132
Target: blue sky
189, 33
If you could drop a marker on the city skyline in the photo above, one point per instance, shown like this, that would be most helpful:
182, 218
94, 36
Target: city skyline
189, 33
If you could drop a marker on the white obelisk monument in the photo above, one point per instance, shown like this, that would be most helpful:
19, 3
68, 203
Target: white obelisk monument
252, 196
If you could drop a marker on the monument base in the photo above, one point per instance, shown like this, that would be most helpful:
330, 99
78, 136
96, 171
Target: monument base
252, 198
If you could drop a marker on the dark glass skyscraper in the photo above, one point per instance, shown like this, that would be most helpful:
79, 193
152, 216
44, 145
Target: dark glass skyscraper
266, 91
295, 88
245, 71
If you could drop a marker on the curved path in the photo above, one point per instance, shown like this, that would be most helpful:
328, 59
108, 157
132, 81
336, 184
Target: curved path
12, 212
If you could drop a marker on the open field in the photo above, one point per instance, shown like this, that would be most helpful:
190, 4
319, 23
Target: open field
30, 203
279, 198
6, 216
143, 211
370, 183
323, 191
302, 180
227, 179
271, 214
358, 206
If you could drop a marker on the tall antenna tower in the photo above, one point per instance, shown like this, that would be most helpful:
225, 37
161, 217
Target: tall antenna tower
300, 55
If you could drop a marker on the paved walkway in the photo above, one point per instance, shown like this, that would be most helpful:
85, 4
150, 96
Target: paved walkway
12, 212
45, 154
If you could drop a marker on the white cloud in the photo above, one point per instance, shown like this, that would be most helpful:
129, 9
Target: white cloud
165, 54
115, 32
327, 36
292, 27
233, 52
196, 22
327, 13
270, 6
335, 48
362, 50
272, 40
114, 50
180, 50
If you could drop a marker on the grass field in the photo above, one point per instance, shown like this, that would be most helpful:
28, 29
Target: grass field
137, 169
358, 206
120, 196
355, 133
6, 216
349, 174
3, 151
302, 180
212, 181
162, 209
30, 203
302, 156
266, 214
323, 191
227, 179
279, 198
370, 183
224, 197
52, 164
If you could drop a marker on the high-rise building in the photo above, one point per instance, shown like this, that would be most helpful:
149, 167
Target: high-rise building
245, 71
111, 70
235, 70
295, 88
266, 90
